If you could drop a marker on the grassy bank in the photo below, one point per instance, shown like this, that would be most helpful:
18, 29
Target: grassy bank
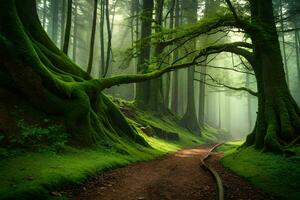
277, 175
32, 175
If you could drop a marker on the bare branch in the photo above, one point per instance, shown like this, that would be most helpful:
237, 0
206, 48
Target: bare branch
230, 87
227, 68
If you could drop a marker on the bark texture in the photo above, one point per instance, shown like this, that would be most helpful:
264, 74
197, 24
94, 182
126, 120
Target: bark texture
53, 83
278, 119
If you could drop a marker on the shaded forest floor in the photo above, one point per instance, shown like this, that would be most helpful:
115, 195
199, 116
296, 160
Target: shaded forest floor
28, 174
31, 174
175, 176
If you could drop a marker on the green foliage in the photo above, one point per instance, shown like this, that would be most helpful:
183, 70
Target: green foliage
3, 152
275, 174
33, 137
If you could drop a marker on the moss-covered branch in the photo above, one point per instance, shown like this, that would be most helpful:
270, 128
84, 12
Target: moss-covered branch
205, 26
235, 47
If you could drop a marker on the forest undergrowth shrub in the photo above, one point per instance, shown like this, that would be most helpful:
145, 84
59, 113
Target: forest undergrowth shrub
51, 138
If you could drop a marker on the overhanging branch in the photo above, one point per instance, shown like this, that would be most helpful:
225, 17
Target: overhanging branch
236, 47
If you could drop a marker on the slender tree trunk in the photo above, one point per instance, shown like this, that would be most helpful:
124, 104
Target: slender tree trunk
202, 94
283, 43
168, 75
189, 119
54, 12
44, 12
156, 100
297, 42
102, 53
220, 112
92, 40
228, 113
142, 89
135, 33
249, 103
210, 7
109, 38
68, 28
174, 102
75, 31
62, 23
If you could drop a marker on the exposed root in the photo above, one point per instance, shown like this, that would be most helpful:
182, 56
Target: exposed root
277, 127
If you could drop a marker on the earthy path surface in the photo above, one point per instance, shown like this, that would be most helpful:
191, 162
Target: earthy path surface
175, 176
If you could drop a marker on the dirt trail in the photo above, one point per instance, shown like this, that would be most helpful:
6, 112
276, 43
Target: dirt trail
176, 176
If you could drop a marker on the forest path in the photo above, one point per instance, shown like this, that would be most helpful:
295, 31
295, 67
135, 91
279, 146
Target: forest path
176, 176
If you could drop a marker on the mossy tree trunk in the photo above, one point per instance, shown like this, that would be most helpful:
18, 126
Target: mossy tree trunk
142, 89
278, 119
156, 101
52, 82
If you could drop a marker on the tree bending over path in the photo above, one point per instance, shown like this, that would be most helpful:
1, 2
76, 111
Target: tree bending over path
52, 82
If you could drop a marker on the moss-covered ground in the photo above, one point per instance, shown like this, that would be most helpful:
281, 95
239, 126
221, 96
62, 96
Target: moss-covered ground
32, 175
277, 175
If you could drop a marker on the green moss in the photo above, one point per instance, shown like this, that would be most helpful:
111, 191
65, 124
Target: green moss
32, 175
272, 173
35, 173
230, 147
169, 124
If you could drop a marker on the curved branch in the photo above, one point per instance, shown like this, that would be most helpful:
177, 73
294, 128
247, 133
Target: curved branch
236, 47
205, 26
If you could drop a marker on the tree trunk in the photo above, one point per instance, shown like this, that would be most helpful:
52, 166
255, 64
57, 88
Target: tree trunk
54, 23
74, 54
68, 28
202, 95
297, 42
210, 8
156, 101
62, 23
102, 53
249, 103
108, 49
44, 13
92, 40
283, 42
49, 80
142, 89
168, 75
174, 102
189, 119
219, 112
278, 119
